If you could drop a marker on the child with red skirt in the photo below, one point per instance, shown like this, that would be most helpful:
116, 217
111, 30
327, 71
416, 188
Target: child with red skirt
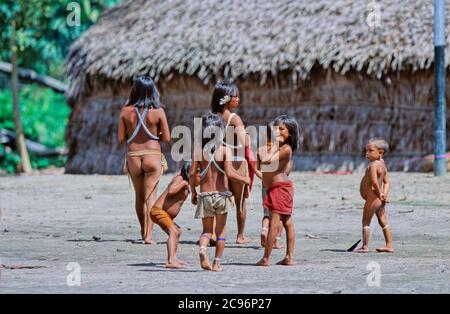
279, 197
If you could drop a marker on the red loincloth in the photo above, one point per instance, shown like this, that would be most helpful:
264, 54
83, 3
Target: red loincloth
280, 198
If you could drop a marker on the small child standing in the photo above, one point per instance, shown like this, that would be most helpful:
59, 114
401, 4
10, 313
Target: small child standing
167, 207
279, 197
374, 189
214, 163
266, 215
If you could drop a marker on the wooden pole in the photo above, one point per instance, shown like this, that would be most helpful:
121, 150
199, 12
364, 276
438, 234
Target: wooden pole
20, 138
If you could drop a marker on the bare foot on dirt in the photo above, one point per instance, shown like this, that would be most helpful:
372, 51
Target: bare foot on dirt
149, 241
204, 262
362, 250
263, 262
216, 265
174, 265
263, 236
277, 245
385, 249
243, 240
287, 261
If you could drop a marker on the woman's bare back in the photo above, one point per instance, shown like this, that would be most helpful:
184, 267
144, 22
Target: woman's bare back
152, 121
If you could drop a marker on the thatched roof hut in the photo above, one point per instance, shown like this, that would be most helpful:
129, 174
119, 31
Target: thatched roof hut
345, 72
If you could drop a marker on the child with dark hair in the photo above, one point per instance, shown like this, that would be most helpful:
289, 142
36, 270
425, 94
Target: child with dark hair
142, 126
279, 197
212, 162
266, 215
225, 100
374, 189
167, 207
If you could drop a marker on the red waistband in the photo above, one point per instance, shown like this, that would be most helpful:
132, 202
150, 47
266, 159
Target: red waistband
283, 183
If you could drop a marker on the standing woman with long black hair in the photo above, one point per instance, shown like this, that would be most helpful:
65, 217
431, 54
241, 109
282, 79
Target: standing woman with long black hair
142, 126
224, 101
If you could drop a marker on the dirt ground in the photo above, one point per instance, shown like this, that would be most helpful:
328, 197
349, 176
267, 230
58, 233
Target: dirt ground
50, 221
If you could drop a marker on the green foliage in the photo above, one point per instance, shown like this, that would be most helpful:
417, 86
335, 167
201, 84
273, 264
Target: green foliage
43, 34
44, 115
43, 39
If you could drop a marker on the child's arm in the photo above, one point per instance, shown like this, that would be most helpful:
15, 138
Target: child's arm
289, 168
192, 176
386, 186
121, 135
374, 180
258, 167
229, 170
177, 186
277, 154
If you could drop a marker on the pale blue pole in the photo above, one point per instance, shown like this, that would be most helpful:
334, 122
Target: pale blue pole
439, 88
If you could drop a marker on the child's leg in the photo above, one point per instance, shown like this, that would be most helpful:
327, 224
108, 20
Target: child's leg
278, 244
212, 241
137, 177
274, 220
204, 241
382, 220
176, 246
221, 221
264, 230
368, 212
290, 241
172, 245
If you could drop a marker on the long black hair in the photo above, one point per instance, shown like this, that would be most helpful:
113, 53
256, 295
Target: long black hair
212, 120
222, 89
293, 129
144, 93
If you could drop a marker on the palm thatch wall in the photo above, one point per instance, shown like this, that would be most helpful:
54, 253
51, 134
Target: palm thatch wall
319, 61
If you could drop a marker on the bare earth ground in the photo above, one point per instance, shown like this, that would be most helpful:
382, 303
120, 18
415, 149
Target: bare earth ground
50, 221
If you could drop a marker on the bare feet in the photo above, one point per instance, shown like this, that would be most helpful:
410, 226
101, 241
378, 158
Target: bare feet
175, 265
362, 250
385, 249
179, 261
287, 261
243, 240
263, 239
216, 265
149, 241
204, 262
277, 244
263, 236
263, 262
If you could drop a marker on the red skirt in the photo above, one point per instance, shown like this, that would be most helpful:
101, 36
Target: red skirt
280, 198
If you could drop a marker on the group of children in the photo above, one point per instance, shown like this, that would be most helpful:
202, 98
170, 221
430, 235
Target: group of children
213, 172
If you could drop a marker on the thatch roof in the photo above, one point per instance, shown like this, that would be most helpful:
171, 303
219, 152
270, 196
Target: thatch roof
235, 38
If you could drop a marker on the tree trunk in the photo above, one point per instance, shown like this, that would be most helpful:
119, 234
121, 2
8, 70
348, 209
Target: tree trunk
20, 139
